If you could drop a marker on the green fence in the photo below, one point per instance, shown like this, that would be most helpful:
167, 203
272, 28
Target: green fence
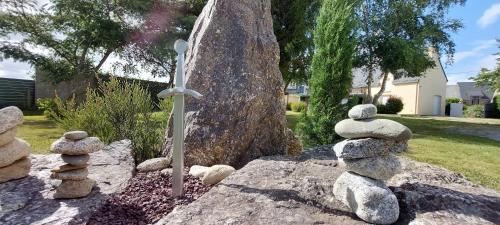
16, 92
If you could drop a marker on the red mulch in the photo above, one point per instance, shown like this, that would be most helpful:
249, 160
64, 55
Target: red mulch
146, 199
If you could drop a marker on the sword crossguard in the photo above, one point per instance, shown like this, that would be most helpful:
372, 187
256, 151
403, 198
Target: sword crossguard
179, 91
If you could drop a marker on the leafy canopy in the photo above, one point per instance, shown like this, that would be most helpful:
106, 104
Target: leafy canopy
394, 36
67, 38
490, 77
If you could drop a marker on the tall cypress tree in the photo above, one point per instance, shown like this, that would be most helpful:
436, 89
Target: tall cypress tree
331, 72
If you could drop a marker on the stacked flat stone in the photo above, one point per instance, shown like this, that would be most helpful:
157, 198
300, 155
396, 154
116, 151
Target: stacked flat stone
74, 147
14, 152
368, 157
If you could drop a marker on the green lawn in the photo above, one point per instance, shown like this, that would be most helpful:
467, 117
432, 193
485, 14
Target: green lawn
435, 142
39, 132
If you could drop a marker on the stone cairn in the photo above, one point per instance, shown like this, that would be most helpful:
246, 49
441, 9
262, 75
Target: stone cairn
14, 152
368, 157
74, 147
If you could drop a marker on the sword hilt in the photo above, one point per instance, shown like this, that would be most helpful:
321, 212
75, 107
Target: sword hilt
179, 91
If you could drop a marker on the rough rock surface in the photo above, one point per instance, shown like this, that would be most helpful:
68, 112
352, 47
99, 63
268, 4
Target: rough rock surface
76, 160
382, 168
18, 169
153, 164
75, 135
11, 117
80, 147
361, 112
13, 151
293, 144
68, 167
368, 147
232, 60
299, 190
375, 128
74, 188
30, 200
8, 136
370, 199
78, 174
216, 173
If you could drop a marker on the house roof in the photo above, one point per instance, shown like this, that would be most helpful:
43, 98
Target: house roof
468, 89
360, 75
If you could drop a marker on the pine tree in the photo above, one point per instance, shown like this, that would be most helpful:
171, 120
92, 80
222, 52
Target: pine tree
331, 72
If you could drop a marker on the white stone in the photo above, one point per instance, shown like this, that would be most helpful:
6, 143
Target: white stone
10, 117
370, 199
8, 136
374, 128
14, 151
80, 147
76, 135
361, 112
153, 164
216, 173
382, 167
198, 171
368, 147
19, 169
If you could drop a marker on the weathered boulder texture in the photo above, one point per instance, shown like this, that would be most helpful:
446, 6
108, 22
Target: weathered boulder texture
31, 200
233, 61
299, 191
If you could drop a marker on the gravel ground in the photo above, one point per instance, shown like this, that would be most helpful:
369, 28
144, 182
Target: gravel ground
147, 198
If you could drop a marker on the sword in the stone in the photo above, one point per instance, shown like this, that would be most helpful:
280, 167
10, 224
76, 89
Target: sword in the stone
178, 92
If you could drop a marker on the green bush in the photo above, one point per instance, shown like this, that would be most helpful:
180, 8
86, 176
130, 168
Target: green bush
289, 106
453, 100
381, 109
298, 106
394, 105
331, 75
496, 100
474, 111
47, 106
115, 111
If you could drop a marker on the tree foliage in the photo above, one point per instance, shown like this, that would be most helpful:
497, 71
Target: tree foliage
394, 36
293, 23
67, 38
331, 72
490, 77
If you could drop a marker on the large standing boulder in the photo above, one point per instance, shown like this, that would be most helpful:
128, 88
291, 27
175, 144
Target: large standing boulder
233, 61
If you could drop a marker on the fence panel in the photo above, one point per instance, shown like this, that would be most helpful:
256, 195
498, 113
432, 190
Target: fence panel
16, 92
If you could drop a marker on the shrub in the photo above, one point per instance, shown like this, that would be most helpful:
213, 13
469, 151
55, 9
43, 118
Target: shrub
47, 106
298, 106
116, 110
496, 100
453, 100
289, 106
474, 111
394, 105
381, 109
331, 76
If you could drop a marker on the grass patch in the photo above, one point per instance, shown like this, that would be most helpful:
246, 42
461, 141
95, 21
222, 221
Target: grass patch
292, 118
39, 132
434, 142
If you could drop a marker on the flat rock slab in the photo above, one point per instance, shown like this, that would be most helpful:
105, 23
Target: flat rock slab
298, 190
30, 200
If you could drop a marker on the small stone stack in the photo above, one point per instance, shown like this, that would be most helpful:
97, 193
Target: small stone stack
74, 147
368, 157
14, 152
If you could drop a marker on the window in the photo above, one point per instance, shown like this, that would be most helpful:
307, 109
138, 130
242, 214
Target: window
475, 100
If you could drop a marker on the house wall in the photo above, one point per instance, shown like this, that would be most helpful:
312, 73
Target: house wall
433, 83
408, 95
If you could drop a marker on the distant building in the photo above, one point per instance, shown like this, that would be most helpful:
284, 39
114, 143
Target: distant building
470, 93
423, 95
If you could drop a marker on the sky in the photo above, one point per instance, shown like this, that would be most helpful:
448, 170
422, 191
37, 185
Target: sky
475, 45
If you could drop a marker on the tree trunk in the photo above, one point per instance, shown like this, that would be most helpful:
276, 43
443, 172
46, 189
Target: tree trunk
368, 98
382, 88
